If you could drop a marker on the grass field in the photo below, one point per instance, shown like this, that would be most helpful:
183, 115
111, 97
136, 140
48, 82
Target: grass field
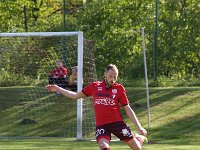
64, 144
175, 121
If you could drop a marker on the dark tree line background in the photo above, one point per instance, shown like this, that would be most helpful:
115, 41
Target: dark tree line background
115, 27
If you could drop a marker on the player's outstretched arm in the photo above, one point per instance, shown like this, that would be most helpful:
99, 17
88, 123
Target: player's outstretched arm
131, 114
67, 93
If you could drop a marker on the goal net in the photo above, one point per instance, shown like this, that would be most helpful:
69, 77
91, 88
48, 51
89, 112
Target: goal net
27, 109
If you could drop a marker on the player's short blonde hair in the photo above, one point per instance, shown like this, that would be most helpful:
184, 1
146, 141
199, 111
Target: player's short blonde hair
111, 67
59, 61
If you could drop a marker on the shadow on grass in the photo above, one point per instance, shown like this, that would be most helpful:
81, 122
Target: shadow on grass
173, 117
185, 130
47, 115
175, 113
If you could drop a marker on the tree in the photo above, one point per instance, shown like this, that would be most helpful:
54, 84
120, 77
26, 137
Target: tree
115, 25
179, 38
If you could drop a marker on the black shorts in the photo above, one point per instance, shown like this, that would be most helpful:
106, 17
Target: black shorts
119, 129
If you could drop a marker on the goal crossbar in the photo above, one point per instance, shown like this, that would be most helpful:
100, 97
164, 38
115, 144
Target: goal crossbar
40, 34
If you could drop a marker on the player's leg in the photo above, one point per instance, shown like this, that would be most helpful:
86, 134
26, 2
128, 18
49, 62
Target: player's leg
103, 137
123, 132
104, 144
134, 144
137, 142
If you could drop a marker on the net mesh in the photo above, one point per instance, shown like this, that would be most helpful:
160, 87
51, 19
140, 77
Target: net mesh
27, 109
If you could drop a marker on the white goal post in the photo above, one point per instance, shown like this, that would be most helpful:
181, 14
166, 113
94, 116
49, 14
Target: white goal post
146, 78
80, 55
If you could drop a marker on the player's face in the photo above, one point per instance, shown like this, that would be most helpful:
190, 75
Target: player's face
58, 64
111, 77
74, 72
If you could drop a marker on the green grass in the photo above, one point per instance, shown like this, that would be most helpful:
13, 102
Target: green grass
64, 144
175, 113
175, 119
52, 114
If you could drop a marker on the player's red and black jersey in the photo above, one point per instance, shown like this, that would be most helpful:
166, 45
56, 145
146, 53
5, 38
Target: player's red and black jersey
59, 72
106, 101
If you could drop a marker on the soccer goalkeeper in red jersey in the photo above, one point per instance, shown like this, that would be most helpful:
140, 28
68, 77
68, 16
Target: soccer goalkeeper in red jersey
108, 96
59, 75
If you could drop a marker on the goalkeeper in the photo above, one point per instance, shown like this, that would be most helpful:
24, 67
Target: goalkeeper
107, 96
59, 75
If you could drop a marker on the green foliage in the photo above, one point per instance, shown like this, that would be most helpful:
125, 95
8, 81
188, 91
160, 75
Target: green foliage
8, 79
32, 16
115, 26
179, 33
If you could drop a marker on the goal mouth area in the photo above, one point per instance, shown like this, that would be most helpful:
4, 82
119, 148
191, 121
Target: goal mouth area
30, 110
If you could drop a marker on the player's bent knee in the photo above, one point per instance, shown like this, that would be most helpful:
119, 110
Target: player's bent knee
134, 144
104, 144
136, 148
